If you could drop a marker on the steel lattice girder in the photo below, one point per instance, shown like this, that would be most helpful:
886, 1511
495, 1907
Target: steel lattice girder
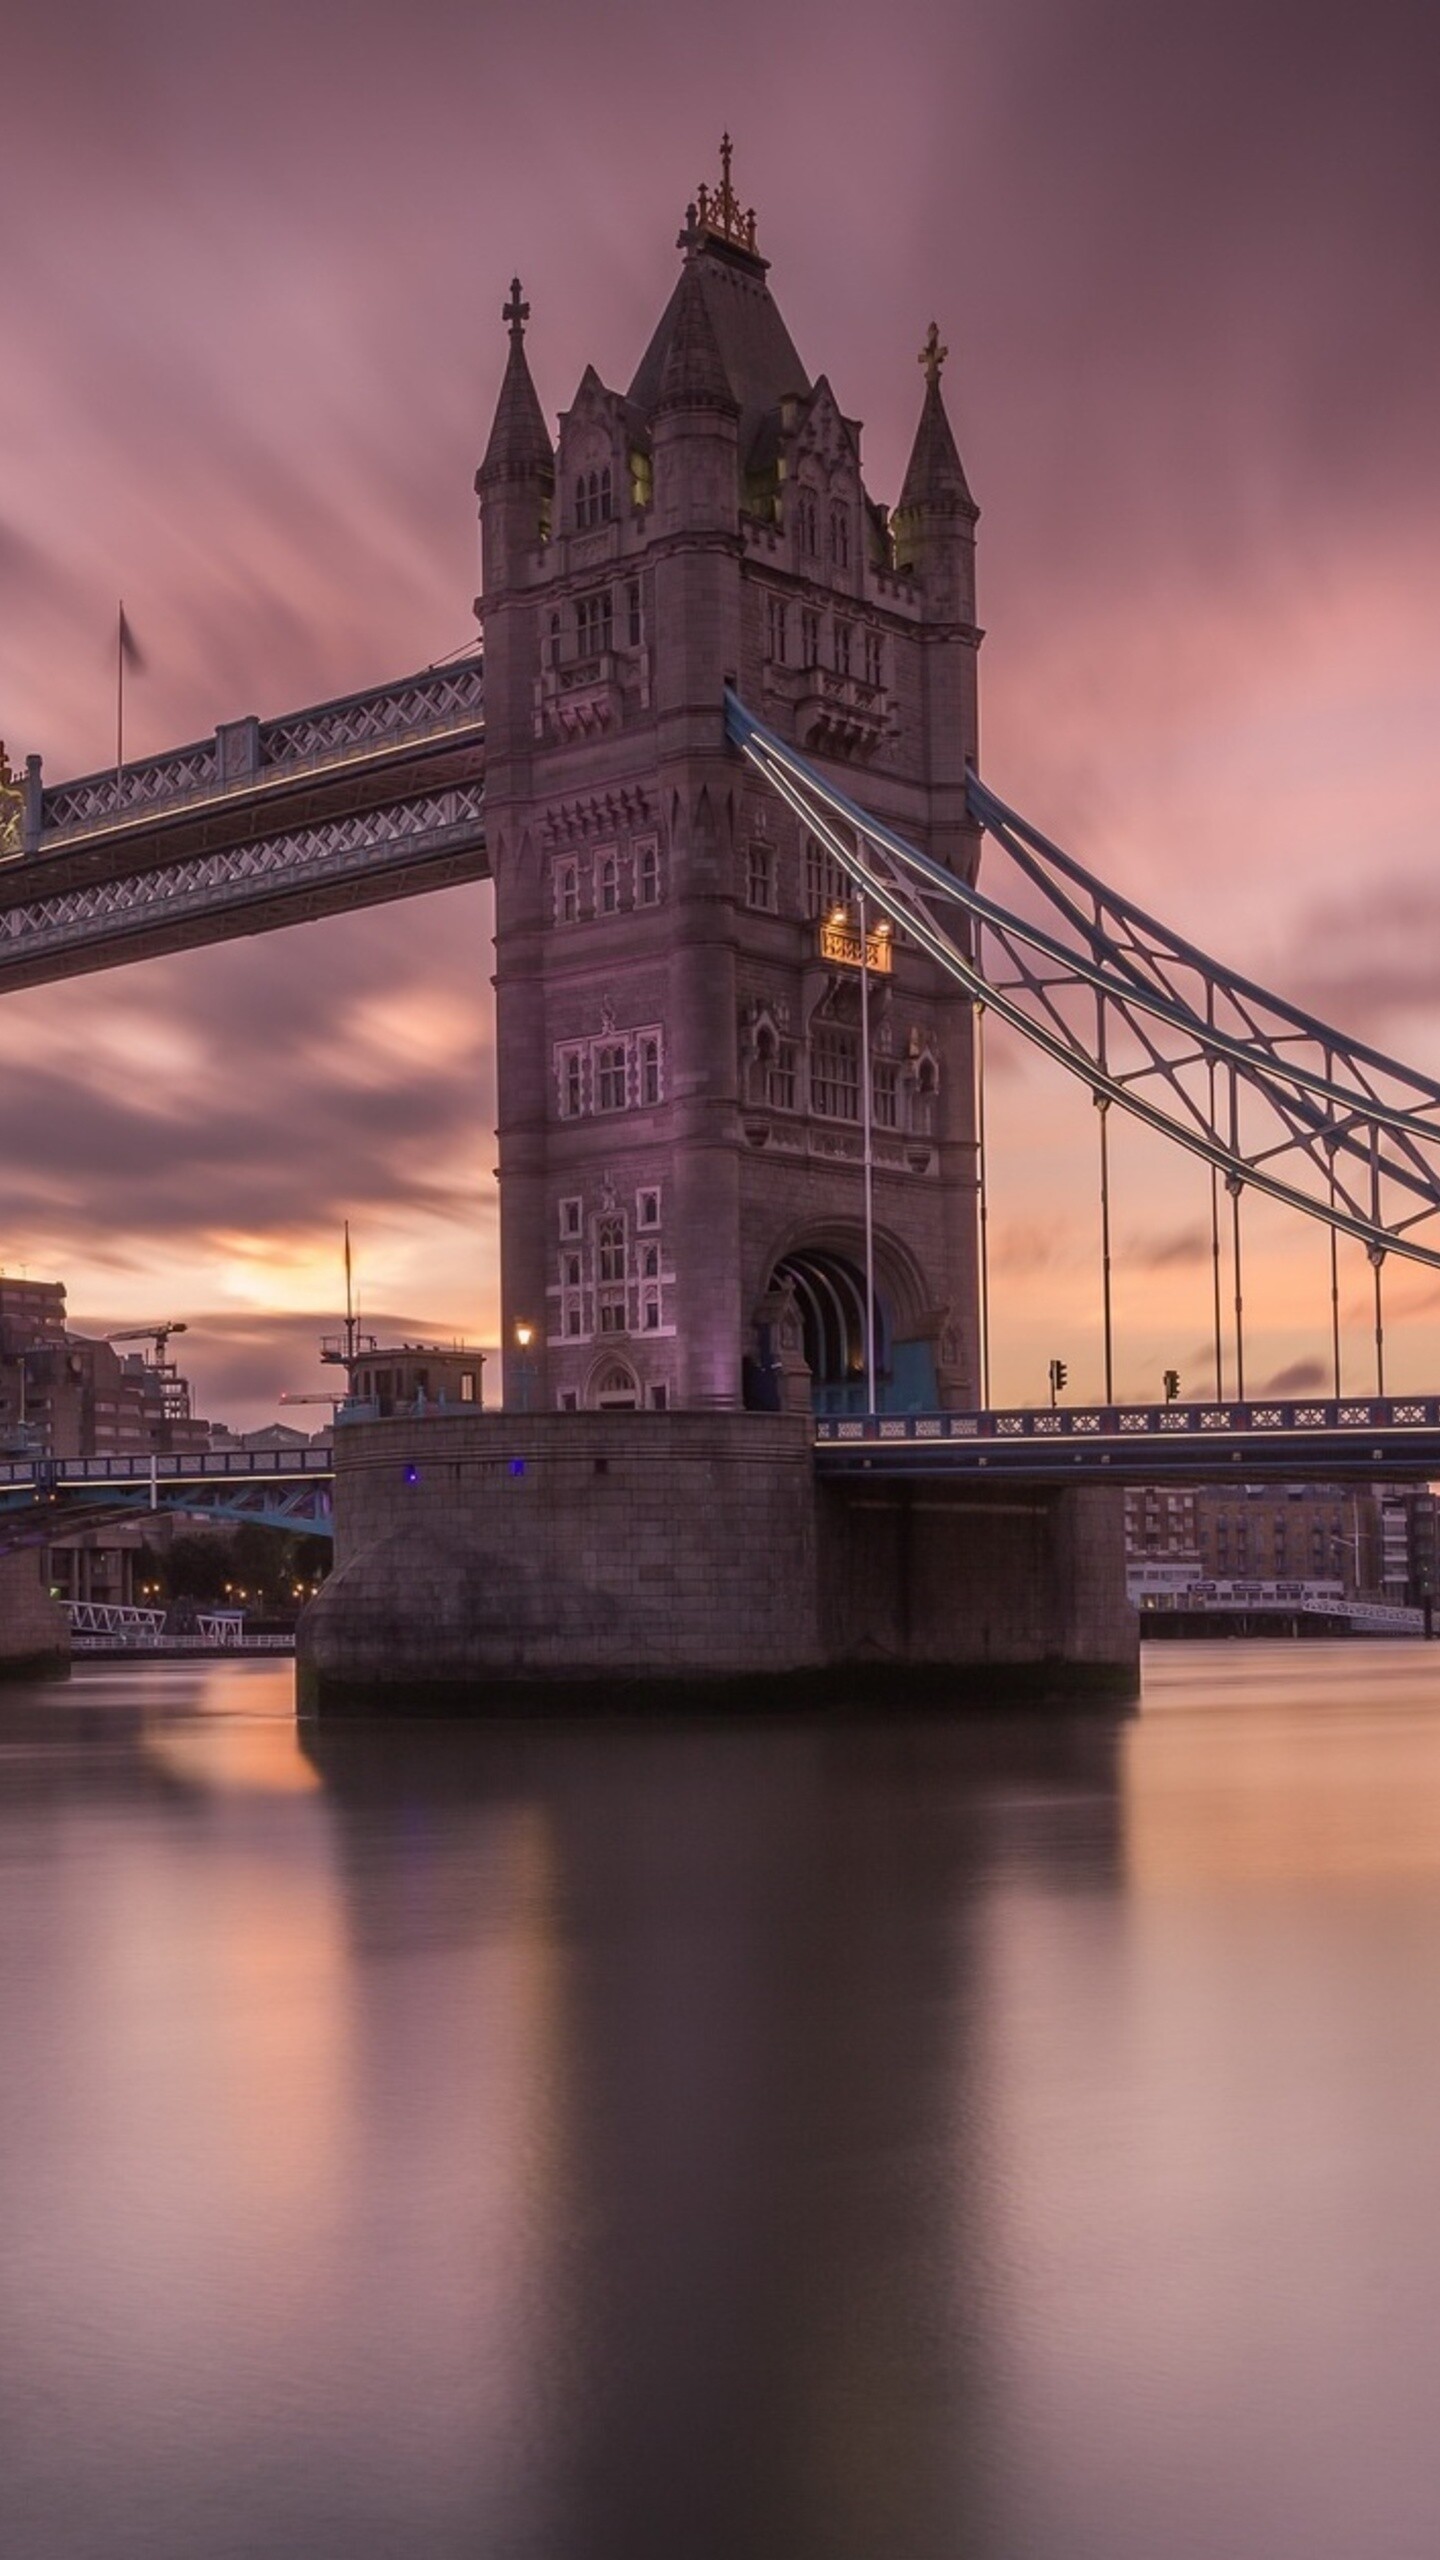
1266, 1094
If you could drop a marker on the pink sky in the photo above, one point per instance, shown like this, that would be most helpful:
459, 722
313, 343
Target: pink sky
1186, 266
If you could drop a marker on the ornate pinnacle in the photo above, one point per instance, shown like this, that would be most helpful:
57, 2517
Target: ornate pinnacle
932, 355
516, 312
717, 209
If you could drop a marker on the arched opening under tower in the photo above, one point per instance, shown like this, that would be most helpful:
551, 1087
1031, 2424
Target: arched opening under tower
810, 1332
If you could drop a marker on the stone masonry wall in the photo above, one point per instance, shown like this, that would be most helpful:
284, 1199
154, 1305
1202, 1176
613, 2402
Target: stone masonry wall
930, 1573
34, 1635
492, 1559
565, 1550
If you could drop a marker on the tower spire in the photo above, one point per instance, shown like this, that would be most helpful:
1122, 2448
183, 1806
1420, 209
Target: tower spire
935, 482
519, 446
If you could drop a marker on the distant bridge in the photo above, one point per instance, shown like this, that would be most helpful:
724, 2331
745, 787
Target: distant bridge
45, 1499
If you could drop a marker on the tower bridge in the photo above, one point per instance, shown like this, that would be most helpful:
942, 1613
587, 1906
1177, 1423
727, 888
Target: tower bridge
721, 761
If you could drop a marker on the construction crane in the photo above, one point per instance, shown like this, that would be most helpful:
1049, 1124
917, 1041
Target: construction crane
159, 1334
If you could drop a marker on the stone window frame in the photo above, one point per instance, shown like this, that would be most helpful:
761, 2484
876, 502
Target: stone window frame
874, 660
647, 1209
594, 498
634, 614
649, 1070
777, 628
571, 1061
610, 1073
760, 875
835, 1072
594, 623
843, 643
809, 636
827, 882
608, 882
840, 533
645, 858
567, 891
571, 1213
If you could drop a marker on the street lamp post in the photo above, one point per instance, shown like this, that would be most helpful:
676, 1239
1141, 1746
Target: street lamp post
867, 1137
524, 1368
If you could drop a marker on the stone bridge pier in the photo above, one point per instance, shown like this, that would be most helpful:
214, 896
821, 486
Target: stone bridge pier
558, 1563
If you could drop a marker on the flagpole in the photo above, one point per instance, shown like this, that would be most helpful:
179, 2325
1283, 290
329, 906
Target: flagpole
119, 693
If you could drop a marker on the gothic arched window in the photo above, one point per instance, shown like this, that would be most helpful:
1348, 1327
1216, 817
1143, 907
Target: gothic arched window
607, 896
840, 537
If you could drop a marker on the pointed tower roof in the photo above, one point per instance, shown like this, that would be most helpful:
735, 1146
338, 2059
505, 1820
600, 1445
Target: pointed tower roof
725, 272
693, 373
935, 479
519, 445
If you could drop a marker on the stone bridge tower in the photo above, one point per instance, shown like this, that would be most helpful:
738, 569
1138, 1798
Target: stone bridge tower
678, 1008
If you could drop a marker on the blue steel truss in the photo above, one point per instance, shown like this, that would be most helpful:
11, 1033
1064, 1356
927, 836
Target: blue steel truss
1273, 1099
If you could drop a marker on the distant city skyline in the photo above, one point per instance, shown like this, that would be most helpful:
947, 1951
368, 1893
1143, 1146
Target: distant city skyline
1185, 271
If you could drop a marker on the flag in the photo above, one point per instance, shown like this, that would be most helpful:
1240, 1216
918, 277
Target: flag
130, 651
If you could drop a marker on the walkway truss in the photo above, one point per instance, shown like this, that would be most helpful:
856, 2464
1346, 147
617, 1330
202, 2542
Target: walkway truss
1271, 1099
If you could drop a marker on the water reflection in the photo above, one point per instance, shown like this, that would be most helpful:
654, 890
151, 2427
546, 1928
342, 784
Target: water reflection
1007, 2135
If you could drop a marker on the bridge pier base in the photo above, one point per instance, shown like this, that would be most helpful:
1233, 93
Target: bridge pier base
558, 1563
34, 1632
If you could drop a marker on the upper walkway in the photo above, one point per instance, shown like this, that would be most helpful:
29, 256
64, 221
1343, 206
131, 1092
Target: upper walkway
375, 796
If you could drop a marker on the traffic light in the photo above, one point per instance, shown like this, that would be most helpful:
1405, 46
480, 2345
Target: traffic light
1172, 1385
1058, 1377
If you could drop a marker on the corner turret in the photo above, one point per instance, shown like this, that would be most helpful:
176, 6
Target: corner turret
934, 523
516, 480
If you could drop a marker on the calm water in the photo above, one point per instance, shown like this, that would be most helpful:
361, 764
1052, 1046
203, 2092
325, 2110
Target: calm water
1017, 2139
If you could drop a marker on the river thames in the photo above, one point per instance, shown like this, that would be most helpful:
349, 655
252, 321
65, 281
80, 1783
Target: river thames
1012, 2138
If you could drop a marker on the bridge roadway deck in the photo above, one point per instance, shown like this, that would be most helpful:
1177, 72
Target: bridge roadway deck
1340, 1439
350, 803
1352, 1438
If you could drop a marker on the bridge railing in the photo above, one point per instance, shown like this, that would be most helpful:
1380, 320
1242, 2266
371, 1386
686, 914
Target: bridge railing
250, 755
1259, 1418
